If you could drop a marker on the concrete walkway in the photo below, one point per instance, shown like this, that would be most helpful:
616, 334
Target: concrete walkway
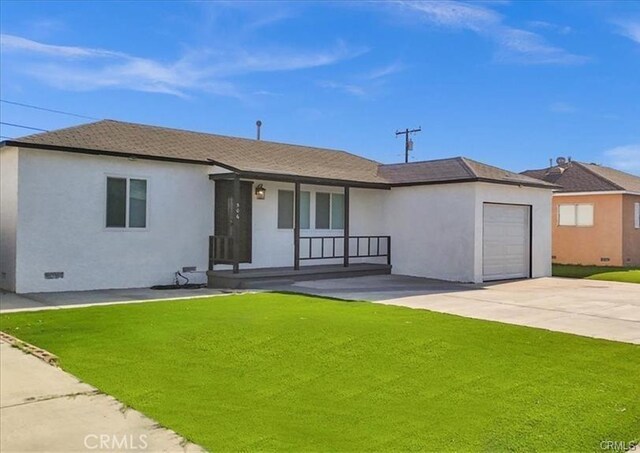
42, 408
39, 301
608, 310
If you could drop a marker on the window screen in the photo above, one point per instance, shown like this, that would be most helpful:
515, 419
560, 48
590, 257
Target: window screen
584, 215
337, 211
637, 215
566, 215
137, 203
285, 209
322, 210
305, 210
116, 202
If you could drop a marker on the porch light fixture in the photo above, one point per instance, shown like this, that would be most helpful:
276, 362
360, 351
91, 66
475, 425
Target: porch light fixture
260, 192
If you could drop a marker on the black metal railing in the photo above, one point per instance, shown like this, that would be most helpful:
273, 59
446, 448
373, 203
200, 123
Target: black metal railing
376, 246
220, 250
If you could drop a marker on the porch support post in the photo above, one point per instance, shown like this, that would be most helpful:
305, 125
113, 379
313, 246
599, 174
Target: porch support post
346, 226
235, 224
296, 227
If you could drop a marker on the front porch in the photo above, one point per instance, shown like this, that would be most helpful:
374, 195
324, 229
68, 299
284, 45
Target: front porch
283, 232
315, 249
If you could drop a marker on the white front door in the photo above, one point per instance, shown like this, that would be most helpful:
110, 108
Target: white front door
505, 248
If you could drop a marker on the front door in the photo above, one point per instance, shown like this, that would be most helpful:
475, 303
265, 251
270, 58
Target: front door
224, 215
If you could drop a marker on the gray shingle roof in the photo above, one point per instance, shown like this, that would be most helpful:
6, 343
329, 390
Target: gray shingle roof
582, 177
452, 170
621, 179
253, 156
239, 153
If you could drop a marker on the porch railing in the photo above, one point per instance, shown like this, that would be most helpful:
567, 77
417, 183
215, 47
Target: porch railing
376, 246
220, 250
317, 248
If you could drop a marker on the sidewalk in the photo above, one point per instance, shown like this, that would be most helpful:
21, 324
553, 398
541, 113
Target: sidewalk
10, 302
42, 408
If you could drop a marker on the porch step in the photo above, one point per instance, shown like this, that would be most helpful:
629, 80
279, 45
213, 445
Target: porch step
264, 277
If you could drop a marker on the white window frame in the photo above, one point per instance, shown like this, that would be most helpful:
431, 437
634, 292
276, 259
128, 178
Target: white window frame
575, 207
636, 217
126, 228
331, 194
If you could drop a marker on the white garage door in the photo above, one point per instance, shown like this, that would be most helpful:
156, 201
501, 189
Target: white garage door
505, 242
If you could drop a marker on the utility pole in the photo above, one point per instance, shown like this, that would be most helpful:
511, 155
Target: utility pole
408, 143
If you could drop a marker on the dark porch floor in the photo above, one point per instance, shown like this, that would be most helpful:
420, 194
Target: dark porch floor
263, 277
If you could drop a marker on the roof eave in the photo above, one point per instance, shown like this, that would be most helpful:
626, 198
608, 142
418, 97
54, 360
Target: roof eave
303, 179
101, 152
476, 179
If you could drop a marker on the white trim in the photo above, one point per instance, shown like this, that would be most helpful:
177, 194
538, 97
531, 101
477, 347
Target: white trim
636, 217
610, 192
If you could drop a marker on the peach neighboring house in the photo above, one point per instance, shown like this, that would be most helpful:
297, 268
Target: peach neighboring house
596, 214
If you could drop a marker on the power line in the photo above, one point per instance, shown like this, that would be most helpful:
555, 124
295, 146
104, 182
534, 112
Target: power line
48, 110
24, 127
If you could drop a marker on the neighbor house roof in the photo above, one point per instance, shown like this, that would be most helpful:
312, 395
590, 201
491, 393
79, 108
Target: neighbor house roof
582, 177
257, 158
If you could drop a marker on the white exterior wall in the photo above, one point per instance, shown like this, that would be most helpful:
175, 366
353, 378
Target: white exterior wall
436, 230
8, 217
432, 230
539, 200
62, 223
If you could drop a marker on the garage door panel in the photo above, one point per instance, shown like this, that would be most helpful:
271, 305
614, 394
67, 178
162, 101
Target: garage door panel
505, 241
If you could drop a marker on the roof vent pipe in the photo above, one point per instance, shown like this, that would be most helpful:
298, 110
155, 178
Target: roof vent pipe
258, 126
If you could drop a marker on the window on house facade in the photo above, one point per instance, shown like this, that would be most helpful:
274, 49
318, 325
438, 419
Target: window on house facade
329, 211
286, 209
575, 215
126, 203
636, 217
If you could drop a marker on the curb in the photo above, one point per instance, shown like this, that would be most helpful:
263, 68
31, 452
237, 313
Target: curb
28, 348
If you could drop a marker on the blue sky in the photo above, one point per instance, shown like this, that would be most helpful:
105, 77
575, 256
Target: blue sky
507, 83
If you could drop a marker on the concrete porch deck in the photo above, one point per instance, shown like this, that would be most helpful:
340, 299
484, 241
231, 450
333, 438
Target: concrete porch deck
267, 277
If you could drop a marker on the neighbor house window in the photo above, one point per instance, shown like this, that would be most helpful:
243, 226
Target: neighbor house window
636, 217
126, 203
329, 211
575, 215
286, 209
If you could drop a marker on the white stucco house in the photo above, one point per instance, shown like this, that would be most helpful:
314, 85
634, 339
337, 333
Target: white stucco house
120, 205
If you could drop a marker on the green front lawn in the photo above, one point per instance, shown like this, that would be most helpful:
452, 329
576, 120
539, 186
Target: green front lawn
287, 372
613, 274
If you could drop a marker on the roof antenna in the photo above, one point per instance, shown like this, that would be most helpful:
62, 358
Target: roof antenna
258, 126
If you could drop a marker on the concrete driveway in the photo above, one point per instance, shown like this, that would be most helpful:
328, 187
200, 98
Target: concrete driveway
590, 308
